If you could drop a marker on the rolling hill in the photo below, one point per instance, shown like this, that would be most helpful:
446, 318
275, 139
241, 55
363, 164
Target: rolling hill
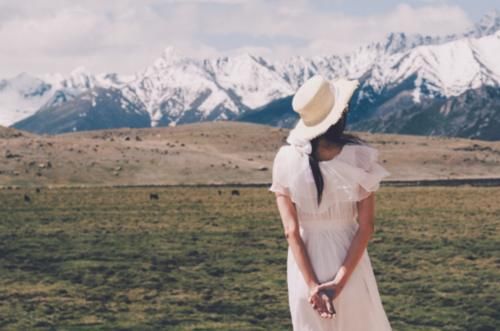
222, 152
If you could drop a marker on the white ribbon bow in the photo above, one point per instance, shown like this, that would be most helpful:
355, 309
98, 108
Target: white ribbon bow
302, 145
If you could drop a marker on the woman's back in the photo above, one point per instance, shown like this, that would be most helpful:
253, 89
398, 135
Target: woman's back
349, 177
327, 231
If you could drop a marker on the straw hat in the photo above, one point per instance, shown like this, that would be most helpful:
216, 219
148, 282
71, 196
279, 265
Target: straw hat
320, 104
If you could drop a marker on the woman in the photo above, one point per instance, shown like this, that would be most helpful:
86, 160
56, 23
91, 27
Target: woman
324, 182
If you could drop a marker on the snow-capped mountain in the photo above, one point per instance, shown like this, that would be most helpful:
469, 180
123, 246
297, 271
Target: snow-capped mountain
178, 90
473, 114
489, 24
443, 70
21, 97
97, 108
398, 72
24, 94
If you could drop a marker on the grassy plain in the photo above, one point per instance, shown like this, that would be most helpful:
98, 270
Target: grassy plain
203, 259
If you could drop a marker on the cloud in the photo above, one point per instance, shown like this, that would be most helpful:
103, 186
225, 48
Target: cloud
329, 32
127, 35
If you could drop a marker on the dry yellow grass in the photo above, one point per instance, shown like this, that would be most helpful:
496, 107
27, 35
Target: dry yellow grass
214, 153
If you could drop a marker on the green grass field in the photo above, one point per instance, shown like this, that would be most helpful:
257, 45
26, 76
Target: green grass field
112, 259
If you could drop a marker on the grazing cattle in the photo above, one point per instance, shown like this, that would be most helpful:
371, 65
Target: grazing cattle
153, 196
220, 192
27, 199
235, 192
37, 190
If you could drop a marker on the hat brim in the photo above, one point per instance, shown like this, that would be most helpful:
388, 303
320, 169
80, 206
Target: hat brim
344, 89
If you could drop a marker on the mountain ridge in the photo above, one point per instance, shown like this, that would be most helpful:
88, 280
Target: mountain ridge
178, 90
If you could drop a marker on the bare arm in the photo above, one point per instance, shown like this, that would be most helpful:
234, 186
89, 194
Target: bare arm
289, 219
366, 213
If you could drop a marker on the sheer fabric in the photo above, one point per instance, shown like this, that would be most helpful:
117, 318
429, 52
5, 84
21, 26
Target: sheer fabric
349, 177
327, 230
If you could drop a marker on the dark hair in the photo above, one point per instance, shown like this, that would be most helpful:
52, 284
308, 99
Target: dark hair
335, 134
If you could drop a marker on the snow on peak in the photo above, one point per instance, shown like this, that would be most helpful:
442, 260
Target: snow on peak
113, 80
169, 56
255, 80
79, 79
401, 42
24, 82
21, 96
397, 42
447, 69
176, 86
490, 22
487, 25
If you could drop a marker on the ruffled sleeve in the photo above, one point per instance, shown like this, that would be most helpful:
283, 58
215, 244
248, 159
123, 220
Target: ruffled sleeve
364, 172
349, 177
367, 159
280, 172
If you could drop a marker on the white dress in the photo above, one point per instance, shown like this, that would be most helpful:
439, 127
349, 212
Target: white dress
327, 231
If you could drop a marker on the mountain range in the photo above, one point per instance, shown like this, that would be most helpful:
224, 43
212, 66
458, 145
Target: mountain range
429, 85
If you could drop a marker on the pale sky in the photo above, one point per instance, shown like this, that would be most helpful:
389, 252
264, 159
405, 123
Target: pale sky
125, 36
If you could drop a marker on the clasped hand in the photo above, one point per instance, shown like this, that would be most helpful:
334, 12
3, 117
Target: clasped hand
321, 298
